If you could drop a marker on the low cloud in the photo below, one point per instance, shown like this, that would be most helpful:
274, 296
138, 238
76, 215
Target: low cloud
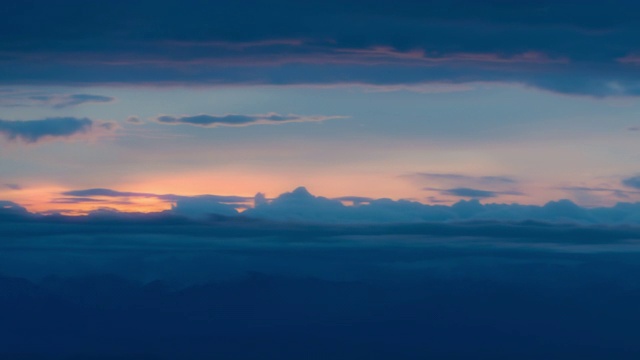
196, 207
301, 206
169, 197
466, 186
239, 120
632, 182
32, 131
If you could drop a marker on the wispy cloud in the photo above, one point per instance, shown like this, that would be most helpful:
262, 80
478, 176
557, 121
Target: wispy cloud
462, 178
465, 192
64, 101
239, 120
18, 98
109, 193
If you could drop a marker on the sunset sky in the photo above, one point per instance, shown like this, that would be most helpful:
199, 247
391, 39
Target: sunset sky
435, 102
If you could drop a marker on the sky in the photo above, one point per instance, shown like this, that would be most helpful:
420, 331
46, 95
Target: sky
434, 102
320, 179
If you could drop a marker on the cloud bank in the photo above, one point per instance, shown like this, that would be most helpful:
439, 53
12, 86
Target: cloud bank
326, 42
300, 205
276, 286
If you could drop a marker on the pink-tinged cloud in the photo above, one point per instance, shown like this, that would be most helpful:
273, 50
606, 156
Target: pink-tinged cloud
632, 59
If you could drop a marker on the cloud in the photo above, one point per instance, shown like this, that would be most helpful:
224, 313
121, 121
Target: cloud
134, 120
169, 197
466, 186
632, 182
392, 43
197, 207
469, 193
583, 192
239, 120
300, 205
20, 98
11, 208
356, 200
202, 207
106, 193
77, 200
64, 101
461, 178
225, 288
35, 130
13, 186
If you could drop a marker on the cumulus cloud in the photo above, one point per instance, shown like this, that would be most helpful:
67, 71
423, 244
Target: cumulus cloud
202, 207
239, 120
300, 205
11, 208
32, 131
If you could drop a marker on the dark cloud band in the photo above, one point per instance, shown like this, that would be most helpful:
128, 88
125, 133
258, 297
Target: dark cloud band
544, 44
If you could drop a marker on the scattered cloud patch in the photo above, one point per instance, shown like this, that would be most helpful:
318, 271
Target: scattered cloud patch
632, 182
134, 120
32, 131
239, 120
13, 186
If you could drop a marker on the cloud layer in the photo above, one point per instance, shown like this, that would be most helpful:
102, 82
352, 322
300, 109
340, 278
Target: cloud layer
543, 44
